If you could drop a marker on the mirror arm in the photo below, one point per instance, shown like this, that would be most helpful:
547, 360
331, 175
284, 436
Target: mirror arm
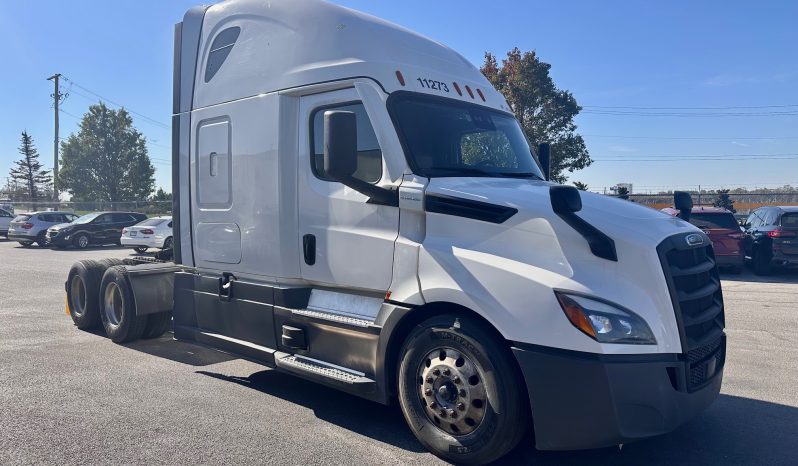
376, 194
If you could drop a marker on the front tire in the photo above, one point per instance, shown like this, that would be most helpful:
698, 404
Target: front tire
140, 249
26, 244
460, 392
117, 307
81, 241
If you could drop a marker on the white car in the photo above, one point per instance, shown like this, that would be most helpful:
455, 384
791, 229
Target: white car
155, 232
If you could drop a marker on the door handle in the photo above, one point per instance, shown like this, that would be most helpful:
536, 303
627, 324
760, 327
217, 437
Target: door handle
309, 248
214, 163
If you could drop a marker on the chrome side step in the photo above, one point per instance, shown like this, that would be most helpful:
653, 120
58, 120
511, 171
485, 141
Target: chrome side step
322, 372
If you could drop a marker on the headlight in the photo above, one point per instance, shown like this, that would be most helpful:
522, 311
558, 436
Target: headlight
605, 322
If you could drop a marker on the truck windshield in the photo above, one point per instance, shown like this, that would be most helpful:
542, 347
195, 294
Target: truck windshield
444, 137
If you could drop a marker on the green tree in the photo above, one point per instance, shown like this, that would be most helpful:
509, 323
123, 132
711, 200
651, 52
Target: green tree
580, 186
107, 159
623, 193
161, 196
723, 200
28, 171
545, 112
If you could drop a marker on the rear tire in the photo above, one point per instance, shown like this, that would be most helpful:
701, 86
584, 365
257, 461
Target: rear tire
168, 243
117, 307
26, 244
83, 285
157, 325
140, 249
469, 407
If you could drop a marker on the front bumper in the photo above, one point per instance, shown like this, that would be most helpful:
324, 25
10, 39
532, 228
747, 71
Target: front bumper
59, 240
582, 400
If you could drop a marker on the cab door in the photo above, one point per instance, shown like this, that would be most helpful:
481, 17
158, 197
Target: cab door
345, 241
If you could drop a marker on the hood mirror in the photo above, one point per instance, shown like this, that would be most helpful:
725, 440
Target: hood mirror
565, 199
683, 202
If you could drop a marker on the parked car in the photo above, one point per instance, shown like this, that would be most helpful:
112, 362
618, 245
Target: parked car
31, 227
771, 238
155, 232
95, 228
5, 221
725, 232
7, 205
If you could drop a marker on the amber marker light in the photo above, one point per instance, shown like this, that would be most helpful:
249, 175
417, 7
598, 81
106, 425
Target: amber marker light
400, 78
574, 313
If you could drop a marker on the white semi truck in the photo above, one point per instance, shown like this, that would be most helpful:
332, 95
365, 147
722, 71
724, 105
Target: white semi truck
356, 205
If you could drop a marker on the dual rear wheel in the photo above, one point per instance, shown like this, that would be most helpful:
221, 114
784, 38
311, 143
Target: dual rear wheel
99, 293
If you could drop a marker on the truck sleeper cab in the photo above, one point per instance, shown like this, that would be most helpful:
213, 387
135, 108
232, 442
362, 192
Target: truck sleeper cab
356, 205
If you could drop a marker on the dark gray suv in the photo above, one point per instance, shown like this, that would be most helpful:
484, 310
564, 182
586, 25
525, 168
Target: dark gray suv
771, 237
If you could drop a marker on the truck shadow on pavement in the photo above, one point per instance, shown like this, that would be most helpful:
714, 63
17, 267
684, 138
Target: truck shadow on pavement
734, 430
167, 347
379, 422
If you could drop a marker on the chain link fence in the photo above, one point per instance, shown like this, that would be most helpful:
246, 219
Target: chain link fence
151, 208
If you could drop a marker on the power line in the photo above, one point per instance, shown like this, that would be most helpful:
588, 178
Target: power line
145, 117
688, 108
689, 114
688, 138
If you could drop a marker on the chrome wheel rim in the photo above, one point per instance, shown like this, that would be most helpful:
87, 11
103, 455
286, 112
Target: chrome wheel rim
77, 294
452, 390
83, 241
113, 306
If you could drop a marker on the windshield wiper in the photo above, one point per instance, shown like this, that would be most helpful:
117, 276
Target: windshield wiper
480, 172
520, 175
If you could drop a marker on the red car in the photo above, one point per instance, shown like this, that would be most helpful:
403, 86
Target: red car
724, 231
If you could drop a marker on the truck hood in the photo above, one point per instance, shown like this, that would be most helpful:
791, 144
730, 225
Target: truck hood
615, 217
522, 259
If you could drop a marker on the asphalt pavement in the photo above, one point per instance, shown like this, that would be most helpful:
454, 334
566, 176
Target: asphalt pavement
74, 397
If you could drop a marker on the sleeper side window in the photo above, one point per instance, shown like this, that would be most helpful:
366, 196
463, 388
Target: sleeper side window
369, 154
220, 49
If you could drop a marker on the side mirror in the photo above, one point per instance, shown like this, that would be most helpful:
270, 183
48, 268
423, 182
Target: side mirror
683, 202
565, 199
340, 144
544, 157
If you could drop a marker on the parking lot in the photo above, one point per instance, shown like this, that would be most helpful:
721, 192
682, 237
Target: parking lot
69, 397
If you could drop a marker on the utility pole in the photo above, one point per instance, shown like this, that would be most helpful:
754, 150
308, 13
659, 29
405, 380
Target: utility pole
56, 101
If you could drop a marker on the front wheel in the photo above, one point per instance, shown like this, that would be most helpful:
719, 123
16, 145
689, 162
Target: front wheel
140, 249
81, 241
26, 244
460, 392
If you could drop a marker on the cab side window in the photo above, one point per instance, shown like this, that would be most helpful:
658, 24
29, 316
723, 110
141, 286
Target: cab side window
369, 154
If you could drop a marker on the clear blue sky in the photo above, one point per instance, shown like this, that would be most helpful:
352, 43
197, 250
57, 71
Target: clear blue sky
614, 53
